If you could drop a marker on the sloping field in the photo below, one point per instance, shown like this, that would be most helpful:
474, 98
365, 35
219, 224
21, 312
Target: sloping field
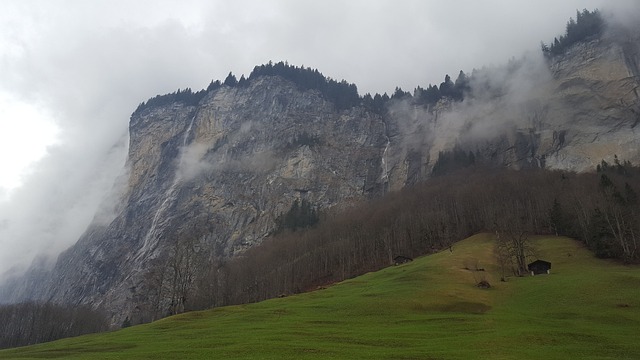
427, 309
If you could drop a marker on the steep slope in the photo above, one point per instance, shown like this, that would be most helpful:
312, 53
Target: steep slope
596, 84
429, 308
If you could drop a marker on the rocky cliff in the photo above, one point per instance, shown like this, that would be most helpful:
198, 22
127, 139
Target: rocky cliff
226, 168
569, 112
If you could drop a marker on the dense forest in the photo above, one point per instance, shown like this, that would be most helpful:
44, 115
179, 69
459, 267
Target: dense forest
32, 323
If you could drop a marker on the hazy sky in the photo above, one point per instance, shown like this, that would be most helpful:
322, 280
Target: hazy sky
72, 72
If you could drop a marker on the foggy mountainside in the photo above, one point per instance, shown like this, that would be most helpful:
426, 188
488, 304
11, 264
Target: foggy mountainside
286, 179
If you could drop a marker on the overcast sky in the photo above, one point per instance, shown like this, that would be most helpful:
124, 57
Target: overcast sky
71, 73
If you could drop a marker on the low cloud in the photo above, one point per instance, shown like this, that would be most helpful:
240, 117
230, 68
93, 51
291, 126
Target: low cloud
501, 98
195, 160
191, 161
53, 208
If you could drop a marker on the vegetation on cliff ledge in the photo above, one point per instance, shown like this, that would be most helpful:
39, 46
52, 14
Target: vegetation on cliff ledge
342, 94
587, 25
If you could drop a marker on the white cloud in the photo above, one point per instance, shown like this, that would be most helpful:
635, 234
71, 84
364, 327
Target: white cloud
25, 134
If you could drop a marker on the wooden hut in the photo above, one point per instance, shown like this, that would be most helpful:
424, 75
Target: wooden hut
401, 260
539, 267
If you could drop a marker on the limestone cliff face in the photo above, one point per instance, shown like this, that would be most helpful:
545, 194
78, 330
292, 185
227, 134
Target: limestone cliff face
224, 169
596, 107
243, 156
570, 112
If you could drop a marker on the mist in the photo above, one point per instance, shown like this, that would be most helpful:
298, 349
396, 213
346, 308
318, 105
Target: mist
88, 65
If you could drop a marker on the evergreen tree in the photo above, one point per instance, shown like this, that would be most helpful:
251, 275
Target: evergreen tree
301, 215
432, 94
214, 85
587, 25
243, 81
602, 242
400, 94
231, 80
461, 86
449, 161
446, 87
557, 219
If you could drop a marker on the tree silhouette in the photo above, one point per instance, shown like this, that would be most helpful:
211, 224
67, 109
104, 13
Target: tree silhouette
231, 80
587, 25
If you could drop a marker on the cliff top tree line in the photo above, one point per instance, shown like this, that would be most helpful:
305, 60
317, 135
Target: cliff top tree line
586, 26
342, 94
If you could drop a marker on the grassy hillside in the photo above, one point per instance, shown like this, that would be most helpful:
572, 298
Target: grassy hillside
428, 309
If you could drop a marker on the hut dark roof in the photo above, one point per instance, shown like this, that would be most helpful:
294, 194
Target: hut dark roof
539, 263
539, 267
401, 259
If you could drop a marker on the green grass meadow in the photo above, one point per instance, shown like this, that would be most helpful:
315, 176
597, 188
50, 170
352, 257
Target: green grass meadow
427, 309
